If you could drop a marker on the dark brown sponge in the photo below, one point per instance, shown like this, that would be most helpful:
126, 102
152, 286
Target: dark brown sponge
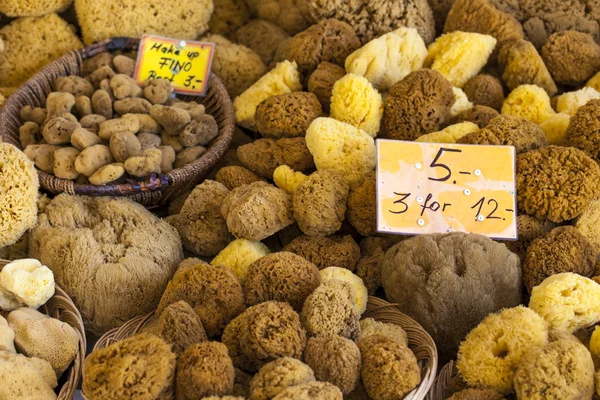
325, 251
287, 115
571, 57
485, 90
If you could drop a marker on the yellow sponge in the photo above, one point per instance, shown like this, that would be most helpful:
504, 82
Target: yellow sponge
284, 78
594, 82
356, 102
569, 102
287, 179
459, 56
595, 343
239, 254
567, 301
449, 134
555, 128
461, 102
530, 102
32, 43
104, 19
32, 8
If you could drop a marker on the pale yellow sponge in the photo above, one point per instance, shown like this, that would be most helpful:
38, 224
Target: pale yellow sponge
389, 58
356, 102
493, 350
594, 82
343, 274
567, 301
461, 102
239, 254
459, 56
555, 128
530, 102
341, 147
595, 343
569, 102
450, 134
282, 79
31, 43
287, 179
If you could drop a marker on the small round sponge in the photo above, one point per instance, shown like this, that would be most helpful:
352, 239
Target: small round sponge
356, 102
560, 370
584, 128
492, 352
239, 255
336, 360
346, 275
18, 194
567, 301
276, 376
485, 90
530, 102
369, 327
572, 57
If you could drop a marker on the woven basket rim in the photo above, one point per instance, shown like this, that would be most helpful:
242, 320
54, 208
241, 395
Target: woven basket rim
66, 309
419, 340
217, 97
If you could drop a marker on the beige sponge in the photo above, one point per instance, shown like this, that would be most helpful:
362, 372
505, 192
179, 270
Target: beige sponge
31, 43
104, 19
36, 8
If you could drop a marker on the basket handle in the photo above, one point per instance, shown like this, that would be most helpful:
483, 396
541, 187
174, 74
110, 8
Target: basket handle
114, 44
154, 183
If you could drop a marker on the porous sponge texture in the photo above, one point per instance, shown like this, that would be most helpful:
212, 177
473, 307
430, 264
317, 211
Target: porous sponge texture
32, 43
104, 19
18, 194
530, 102
459, 56
449, 134
356, 102
36, 8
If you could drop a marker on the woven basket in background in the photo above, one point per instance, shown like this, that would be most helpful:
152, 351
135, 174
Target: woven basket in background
61, 307
418, 339
34, 92
439, 388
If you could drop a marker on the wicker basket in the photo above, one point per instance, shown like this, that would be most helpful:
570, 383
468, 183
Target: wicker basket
439, 388
419, 341
154, 190
61, 307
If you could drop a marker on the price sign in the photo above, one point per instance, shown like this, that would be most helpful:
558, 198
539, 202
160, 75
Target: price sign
184, 63
438, 188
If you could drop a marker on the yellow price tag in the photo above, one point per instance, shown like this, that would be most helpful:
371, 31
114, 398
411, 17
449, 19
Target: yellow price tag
427, 188
184, 63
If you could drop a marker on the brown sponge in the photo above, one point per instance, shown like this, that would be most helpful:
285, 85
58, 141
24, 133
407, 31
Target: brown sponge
325, 251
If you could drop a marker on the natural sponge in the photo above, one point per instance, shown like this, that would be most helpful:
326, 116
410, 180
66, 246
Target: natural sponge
485, 90
479, 115
560, 370
343, 274
234, 176
522, 65
236, 65
311, 391
14, 8
389, 58
563, 249
492, 352
257, 211
284, 78
330, 311
139, 364
213, 291
24, 377
369, 327
239, 255
18, 194
262, 37
287, 179
110, 254
330, 40
263, 156
179, 326
202, 229
567, 301
341, 147
228, 15
437, 278
356, 102
321, 82
459, 56
325, 251
276, 376
556, 183
530, 102
287, 115
572, 57
587, 223
418, 104
336, 360
371, 20
139, 17
389, 368
508, 130
24, 55
25, 282
362, 210
450, 134
204, 369
38, 335
584, 127
570, 102
291, 15
282, 276
319, 203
